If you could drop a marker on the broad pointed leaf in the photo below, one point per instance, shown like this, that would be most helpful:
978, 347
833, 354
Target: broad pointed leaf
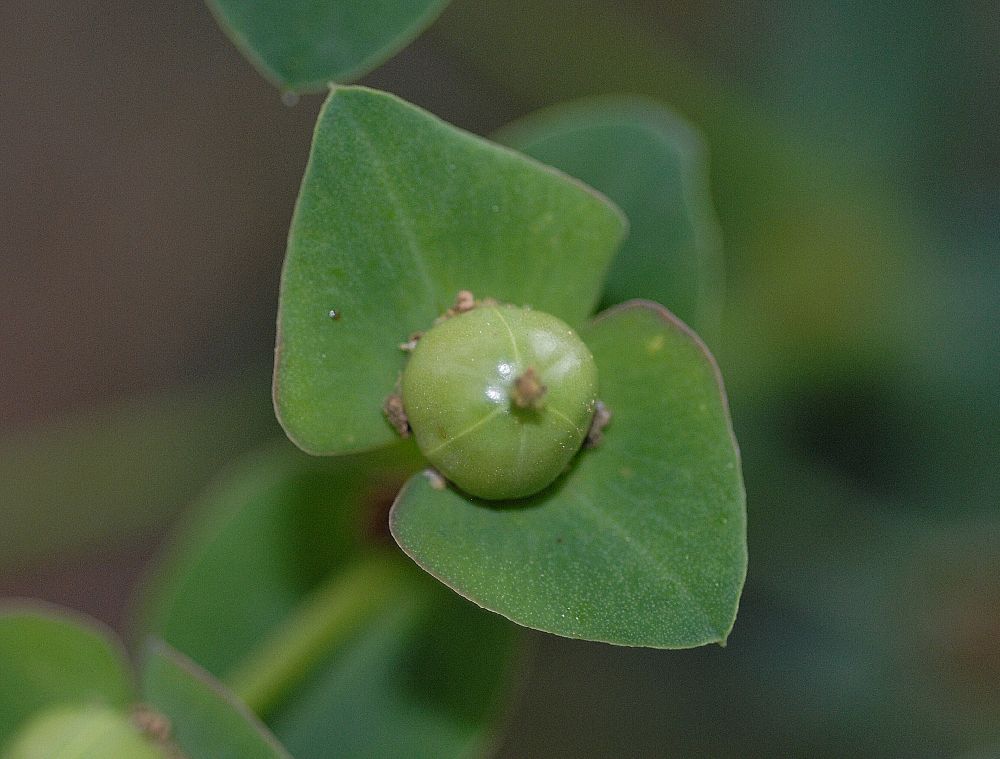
302, 45
643, 542
51, 657
207, 722
654, 165
398, 212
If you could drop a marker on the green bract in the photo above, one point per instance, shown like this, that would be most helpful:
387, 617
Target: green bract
643, 542
500, 398
398, 212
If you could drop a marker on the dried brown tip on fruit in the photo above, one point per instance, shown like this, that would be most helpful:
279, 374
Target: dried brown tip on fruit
602, 417
396, 414
529, 392
464, 301
151, 723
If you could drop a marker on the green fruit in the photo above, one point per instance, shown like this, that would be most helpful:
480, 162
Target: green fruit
500, 399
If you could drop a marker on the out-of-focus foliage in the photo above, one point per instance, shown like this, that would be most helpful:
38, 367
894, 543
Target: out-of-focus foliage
303, 45
67, 690
282, 585
81, 732
654, 165
47, 660
105, 475
206, 721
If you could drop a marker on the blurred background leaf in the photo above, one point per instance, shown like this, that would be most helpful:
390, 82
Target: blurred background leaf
206, 721
285, 517
50, 657
654, 166
254, 591
302, 45
82, 732
66, 690
428, 677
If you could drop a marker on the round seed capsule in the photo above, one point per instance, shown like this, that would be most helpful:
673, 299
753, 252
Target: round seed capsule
500, 398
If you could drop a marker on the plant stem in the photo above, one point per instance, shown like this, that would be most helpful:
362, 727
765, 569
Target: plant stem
325, 620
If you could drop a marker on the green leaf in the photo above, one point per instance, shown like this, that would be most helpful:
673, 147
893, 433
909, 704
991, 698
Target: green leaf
258, 589
398, 212
87, 732
654, 165
207, 722
302, 45
643, 542
50, 657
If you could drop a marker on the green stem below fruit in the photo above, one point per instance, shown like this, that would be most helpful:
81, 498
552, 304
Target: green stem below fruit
324, 621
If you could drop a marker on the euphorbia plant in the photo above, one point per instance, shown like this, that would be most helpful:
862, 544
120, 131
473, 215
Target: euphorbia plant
575, 473
641, 540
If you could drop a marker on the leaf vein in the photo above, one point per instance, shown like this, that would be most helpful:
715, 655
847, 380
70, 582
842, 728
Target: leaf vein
603, 519
404, 223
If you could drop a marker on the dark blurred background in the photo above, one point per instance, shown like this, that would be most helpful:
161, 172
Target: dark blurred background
148, 179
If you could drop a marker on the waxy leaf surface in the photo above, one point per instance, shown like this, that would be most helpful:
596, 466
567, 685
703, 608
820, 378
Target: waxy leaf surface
643, 541
398, 212
302, 45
